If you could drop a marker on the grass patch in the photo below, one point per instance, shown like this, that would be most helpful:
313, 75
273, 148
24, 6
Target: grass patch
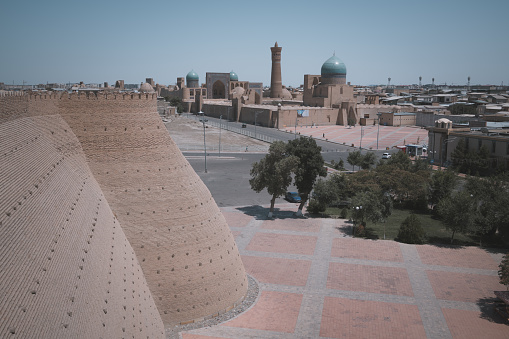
434, 228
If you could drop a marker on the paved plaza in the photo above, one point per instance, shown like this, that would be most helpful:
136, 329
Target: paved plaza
388, 136
316, 281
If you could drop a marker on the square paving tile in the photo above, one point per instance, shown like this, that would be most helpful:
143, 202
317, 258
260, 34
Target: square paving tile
290, 224
274, 311
282, 243
463, 286
237, 219
371, 279
278, 271
470, 325
470, 257
197, 336
345, 318
366, 249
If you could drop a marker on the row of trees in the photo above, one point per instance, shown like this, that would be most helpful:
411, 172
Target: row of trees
300, 158
479, 207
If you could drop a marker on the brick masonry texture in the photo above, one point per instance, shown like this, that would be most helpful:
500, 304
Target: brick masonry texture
187, 253
67, 269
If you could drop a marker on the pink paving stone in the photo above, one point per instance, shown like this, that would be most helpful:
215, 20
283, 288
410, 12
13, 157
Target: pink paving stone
471, 257
274, 311
278, 271
197, 336
463, 286
366, 249
371, 279
346, 318
299, 225
282, 243
237, 219
469, 325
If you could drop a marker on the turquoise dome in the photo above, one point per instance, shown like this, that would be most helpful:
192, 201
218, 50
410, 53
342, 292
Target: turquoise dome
234, 76
333, 66
192, 76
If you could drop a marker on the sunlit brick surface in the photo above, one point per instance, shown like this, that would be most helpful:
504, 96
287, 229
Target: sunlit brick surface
282, 243
372, 279
474, 325
278, 271
366, 249
472, 257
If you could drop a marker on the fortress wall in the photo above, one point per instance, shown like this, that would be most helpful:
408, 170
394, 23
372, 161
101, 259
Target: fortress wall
187, 252
68, 270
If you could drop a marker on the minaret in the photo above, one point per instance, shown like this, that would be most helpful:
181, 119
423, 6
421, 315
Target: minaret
276, 85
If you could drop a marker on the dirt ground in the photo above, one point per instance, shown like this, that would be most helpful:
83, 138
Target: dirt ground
188, 135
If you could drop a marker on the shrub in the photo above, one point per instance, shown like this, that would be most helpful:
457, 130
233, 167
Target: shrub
411, 231
503, 272
314, 207
344, 213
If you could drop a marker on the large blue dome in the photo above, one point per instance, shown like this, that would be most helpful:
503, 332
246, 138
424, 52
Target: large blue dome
234, 76
333, 66
192, 76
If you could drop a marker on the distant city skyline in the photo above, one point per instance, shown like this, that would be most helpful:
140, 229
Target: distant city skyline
94, 42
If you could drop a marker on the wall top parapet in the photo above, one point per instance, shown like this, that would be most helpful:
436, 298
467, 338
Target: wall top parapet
79, 96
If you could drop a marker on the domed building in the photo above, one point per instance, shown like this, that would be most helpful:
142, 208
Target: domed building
333, 71
146, 88
192, 79
330, 90
234, 76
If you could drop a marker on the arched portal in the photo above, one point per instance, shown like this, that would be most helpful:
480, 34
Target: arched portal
218, 91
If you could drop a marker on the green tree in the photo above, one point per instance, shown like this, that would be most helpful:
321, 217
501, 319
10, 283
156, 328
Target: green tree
490, 200
372, 208
354, 158
273, 172
328, 191
400, 160
175, 102
457, 213
503, 271
411, 231
367, 160
441, 186
311, 165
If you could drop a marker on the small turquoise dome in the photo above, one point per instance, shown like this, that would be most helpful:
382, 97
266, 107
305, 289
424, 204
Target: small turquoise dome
234, 76
333, 66
192, 76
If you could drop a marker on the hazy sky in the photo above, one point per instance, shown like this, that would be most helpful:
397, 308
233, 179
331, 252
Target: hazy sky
97, 41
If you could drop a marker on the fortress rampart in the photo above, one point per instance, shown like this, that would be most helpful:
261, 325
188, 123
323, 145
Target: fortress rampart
180, 238
68, 271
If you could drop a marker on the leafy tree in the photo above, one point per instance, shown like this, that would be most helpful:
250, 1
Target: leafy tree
354, 158
372, 208
411, 231
368, 160
457, 213
441, 186
490, 201
175, 102
311, 165
400, 160
273, 172
503, 271
340, 165
327, 191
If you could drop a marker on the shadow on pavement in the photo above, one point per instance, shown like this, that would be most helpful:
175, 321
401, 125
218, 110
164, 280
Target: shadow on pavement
487, 307
260, 212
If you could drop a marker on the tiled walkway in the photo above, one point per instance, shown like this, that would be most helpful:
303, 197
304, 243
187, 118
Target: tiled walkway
318, 282
388, 136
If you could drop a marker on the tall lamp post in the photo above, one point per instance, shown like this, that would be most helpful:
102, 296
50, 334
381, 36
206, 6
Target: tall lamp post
220, 126
203, 120
256, 114
378, 131
360, 146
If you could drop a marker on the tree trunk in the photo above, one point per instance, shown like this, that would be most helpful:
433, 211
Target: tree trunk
452, 236
272, 202
304, 199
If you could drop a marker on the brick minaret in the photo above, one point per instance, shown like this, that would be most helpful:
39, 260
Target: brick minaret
276, 85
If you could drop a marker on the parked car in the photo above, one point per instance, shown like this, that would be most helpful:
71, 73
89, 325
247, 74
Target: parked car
292, 197
386, 156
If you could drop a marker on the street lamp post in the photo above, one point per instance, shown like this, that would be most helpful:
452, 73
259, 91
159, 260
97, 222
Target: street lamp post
220, 126
256, 114
360, 146
378, 131
203, 120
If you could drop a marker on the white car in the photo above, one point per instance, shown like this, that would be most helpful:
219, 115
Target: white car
386, 156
